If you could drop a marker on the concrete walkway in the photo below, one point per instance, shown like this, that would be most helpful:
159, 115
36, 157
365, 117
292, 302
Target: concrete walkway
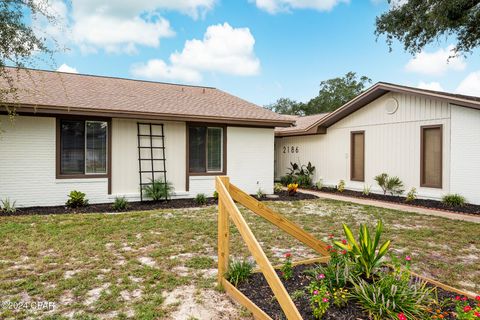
396, 206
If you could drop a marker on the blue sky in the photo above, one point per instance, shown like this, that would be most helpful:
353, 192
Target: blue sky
259, 50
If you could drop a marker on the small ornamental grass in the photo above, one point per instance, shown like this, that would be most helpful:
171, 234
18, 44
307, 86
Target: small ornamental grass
238, 271
8, 207
260, 194
454, 200
201, 199
341, 186
120, 204
393, 295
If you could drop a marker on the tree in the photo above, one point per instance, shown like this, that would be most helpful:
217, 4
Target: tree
20, 43
287, 106
336, 92
332, 95
417, 23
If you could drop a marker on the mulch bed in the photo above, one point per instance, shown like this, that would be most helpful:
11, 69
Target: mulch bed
424, 203
260, 293
146, 205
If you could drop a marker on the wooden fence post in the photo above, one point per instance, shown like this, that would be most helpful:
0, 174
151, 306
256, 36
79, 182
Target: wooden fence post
223, 233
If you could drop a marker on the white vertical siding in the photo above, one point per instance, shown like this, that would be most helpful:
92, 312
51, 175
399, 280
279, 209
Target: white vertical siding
465, 172
392, 144
125, 176
27, 166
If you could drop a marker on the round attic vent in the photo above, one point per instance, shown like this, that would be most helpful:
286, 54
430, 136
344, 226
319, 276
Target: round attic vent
391, 106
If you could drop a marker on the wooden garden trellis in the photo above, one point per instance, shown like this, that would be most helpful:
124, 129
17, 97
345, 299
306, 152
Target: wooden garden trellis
227, 209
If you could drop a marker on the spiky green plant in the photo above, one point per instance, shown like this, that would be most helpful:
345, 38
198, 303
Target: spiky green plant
158, 190
364, 253
393, 293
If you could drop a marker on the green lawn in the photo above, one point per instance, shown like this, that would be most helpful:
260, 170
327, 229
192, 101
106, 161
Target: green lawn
161, 264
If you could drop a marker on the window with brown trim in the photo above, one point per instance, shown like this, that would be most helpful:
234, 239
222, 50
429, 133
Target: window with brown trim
205, 149
82, 148
357, 153
431, 156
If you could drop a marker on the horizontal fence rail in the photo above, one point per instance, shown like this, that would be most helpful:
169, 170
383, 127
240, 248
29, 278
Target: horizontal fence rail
227, 209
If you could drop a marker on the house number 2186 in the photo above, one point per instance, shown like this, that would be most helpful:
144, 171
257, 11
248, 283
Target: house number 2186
290, 149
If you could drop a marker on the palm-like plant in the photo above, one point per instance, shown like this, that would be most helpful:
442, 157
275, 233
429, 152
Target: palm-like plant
364, 253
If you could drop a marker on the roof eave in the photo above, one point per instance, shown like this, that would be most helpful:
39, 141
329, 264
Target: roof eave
54, 110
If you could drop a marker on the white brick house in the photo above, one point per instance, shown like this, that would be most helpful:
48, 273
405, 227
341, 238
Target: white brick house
95, 134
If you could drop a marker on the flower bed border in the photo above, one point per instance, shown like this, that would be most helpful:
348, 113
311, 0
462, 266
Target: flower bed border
227, 210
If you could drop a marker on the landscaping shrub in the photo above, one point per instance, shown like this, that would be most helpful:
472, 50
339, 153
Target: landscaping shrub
393, 185
8, 207
238, 271
76, 199
336, 273
215, 195
364, 253
319, 184
260, 193
158, 190
201, 199
411, 195
277, 187
120, 204
393, 295
454, 200
302, 175
286, 180
292, 189
286, 270
341, 186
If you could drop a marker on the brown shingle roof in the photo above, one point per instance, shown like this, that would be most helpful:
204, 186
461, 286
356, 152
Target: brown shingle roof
80, 93
301, 123
371, 94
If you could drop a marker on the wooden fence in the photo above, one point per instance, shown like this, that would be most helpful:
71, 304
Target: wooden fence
227, 209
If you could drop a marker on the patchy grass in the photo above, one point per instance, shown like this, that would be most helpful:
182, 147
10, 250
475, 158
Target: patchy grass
161, 264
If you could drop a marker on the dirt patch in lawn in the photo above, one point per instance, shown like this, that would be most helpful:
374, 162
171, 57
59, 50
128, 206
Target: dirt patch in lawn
190, 303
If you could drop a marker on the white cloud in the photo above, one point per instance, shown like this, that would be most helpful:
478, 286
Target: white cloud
223, 49
470, 85
436, 63
275, 6
66, 68
158, 69
120, 25
430, 86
